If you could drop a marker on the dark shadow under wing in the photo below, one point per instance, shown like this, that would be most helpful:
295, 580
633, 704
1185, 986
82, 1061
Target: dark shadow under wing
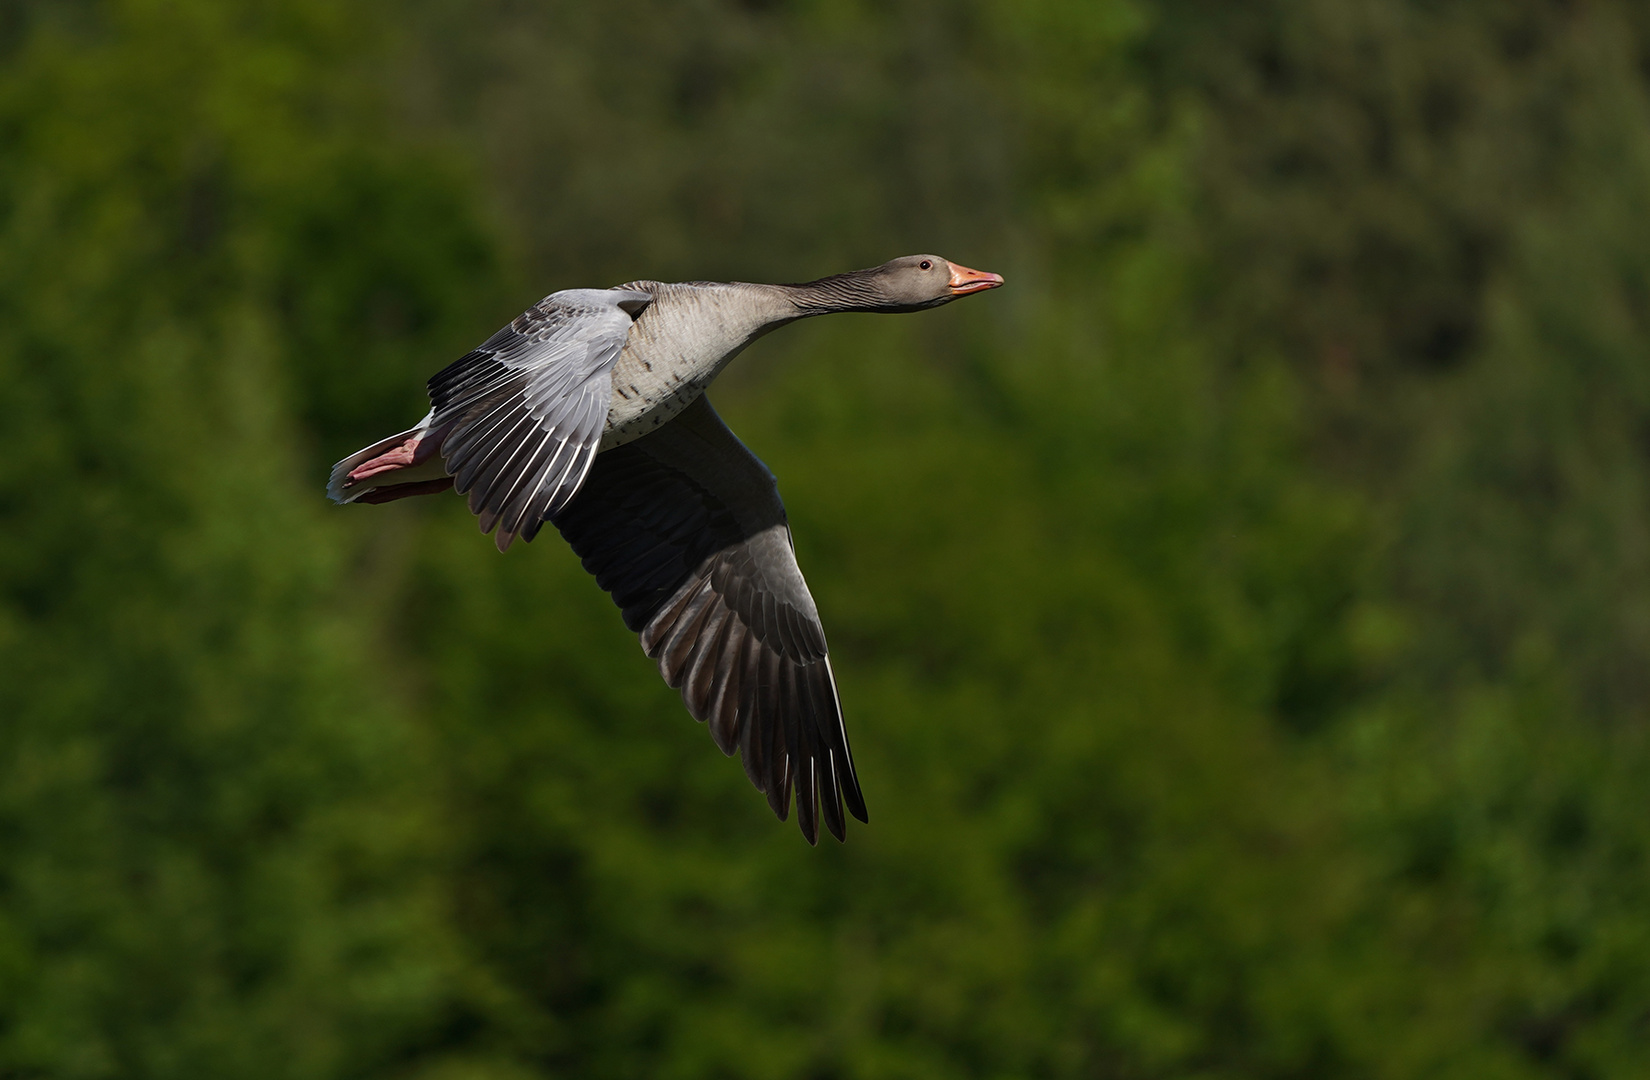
685, 529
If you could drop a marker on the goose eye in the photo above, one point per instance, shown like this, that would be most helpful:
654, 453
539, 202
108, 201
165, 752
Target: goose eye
926, 265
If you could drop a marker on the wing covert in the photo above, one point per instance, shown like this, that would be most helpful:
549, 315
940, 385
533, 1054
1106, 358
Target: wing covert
521, 417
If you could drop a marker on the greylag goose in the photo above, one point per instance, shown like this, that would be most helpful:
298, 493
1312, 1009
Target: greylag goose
588, 411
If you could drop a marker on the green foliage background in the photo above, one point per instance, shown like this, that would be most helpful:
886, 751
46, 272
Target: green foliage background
1242, 618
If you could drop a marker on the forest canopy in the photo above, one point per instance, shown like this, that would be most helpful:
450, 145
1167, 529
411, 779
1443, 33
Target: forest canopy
1241, 619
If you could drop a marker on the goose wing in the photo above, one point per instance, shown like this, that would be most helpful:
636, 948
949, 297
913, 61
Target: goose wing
521, 417
685, 529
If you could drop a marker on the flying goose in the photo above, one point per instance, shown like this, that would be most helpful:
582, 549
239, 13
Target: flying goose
588, 411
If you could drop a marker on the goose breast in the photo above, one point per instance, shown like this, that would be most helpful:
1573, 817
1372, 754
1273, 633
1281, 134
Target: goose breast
678, 346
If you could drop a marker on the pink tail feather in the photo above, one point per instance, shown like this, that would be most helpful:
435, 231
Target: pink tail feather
404, 464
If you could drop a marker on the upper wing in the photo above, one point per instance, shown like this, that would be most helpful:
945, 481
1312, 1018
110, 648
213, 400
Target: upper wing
685, 529
521, 417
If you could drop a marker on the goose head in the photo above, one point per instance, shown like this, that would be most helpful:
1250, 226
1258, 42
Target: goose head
915, 282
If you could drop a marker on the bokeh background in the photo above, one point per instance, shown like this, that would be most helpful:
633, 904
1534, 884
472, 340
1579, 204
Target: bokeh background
1242, 619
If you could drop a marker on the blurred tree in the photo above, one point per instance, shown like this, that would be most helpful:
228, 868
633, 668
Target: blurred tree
1239, 617
219, 850
1383, 175
1438, 215
717, 138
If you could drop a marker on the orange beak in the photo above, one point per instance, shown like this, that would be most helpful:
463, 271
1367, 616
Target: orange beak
965, 281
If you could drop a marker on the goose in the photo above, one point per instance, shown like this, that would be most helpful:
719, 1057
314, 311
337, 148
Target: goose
588, 411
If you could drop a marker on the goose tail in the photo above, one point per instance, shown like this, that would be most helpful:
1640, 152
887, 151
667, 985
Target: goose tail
394, 468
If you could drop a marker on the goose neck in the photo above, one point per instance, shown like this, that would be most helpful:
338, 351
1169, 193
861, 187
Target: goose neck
858, 290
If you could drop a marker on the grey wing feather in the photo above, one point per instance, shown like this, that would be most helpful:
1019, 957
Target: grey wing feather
522, 415
685, 529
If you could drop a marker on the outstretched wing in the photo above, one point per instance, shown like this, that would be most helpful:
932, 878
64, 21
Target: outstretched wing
685, 529
521, 417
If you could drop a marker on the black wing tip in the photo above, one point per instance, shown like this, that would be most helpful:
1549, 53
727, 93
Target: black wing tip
828, 811
834, 821
852, 797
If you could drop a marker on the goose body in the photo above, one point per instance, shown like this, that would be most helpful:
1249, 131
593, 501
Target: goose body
588, 412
